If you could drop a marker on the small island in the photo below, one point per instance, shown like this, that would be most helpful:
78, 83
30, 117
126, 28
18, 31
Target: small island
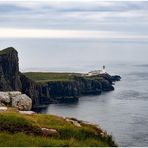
20, 92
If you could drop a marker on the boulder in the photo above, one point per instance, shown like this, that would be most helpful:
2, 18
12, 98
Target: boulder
15, 99
2, 104
49, 132
14, 93
22, 102
2, 109
4, 98
27, 112
73, 121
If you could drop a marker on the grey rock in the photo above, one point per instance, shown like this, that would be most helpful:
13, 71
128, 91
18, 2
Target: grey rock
2, 109
4, 97
16, 99
74, 122
49, 132
27, 112
14, 93
2, 104
22, 102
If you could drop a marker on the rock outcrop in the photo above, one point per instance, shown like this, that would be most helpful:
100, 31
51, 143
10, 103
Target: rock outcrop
16, 99
49, 132
3, 108
11, 79
9, 70
22, 102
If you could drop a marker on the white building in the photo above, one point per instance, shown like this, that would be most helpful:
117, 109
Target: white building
97, 72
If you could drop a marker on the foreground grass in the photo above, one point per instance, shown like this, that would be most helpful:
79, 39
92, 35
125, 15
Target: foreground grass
49, 76
17, 130
30, 141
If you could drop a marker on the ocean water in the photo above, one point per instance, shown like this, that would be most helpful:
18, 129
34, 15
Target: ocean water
122, 113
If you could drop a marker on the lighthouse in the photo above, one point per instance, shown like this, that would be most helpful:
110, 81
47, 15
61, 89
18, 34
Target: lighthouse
97, 72
104, 69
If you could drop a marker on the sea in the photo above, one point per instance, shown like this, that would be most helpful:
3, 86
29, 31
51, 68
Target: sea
123, 113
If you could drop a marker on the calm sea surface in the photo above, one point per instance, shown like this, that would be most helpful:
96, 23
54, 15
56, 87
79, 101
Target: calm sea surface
122, 113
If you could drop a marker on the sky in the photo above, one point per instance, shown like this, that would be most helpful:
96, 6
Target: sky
71, 31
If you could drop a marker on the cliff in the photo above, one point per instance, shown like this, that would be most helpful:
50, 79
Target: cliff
9, 70
67, 88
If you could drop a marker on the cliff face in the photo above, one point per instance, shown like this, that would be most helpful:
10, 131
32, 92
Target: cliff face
60, 91
9, 70
65, 91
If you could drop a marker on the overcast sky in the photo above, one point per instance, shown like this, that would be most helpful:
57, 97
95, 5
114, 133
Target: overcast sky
75, 20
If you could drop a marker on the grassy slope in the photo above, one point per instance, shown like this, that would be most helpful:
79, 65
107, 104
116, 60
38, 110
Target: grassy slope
23, 130
47, 77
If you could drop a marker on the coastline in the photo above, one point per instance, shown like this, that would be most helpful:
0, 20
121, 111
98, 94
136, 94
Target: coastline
46, 88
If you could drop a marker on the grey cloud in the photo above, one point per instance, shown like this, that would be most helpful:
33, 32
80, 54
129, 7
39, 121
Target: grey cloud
68, 14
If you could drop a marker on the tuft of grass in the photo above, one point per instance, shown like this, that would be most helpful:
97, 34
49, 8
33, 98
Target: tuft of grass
12, 123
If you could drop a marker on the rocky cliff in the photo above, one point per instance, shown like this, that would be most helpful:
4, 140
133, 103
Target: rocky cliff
52, 91
9, 70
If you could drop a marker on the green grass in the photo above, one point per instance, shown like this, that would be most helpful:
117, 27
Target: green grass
43, 77
17, 130
24, 140
6, 51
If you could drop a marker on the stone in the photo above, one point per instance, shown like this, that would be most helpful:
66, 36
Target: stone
2, 109
49, 132
14, 93
4, 97
27, 112
74, 122
2, 104
15, 99
22, 102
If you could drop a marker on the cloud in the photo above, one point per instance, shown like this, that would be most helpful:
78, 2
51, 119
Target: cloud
79, 5
125, 16
68, 34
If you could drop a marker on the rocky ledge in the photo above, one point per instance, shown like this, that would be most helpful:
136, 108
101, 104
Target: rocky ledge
11, 79
15, 99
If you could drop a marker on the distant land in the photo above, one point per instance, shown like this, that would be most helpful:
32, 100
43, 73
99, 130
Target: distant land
45, 88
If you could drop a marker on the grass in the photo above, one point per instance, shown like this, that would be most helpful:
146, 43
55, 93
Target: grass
17, 130
29, 141
6, 51
43, 77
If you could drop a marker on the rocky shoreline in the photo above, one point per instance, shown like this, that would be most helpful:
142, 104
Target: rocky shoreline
11, 79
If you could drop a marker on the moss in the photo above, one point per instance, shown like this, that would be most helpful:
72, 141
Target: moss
69, 135
7, 51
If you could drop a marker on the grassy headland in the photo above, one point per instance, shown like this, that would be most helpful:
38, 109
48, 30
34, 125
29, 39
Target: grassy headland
43, 77
19, 130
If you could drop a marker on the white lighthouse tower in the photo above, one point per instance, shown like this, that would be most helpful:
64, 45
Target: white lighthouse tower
104, 69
